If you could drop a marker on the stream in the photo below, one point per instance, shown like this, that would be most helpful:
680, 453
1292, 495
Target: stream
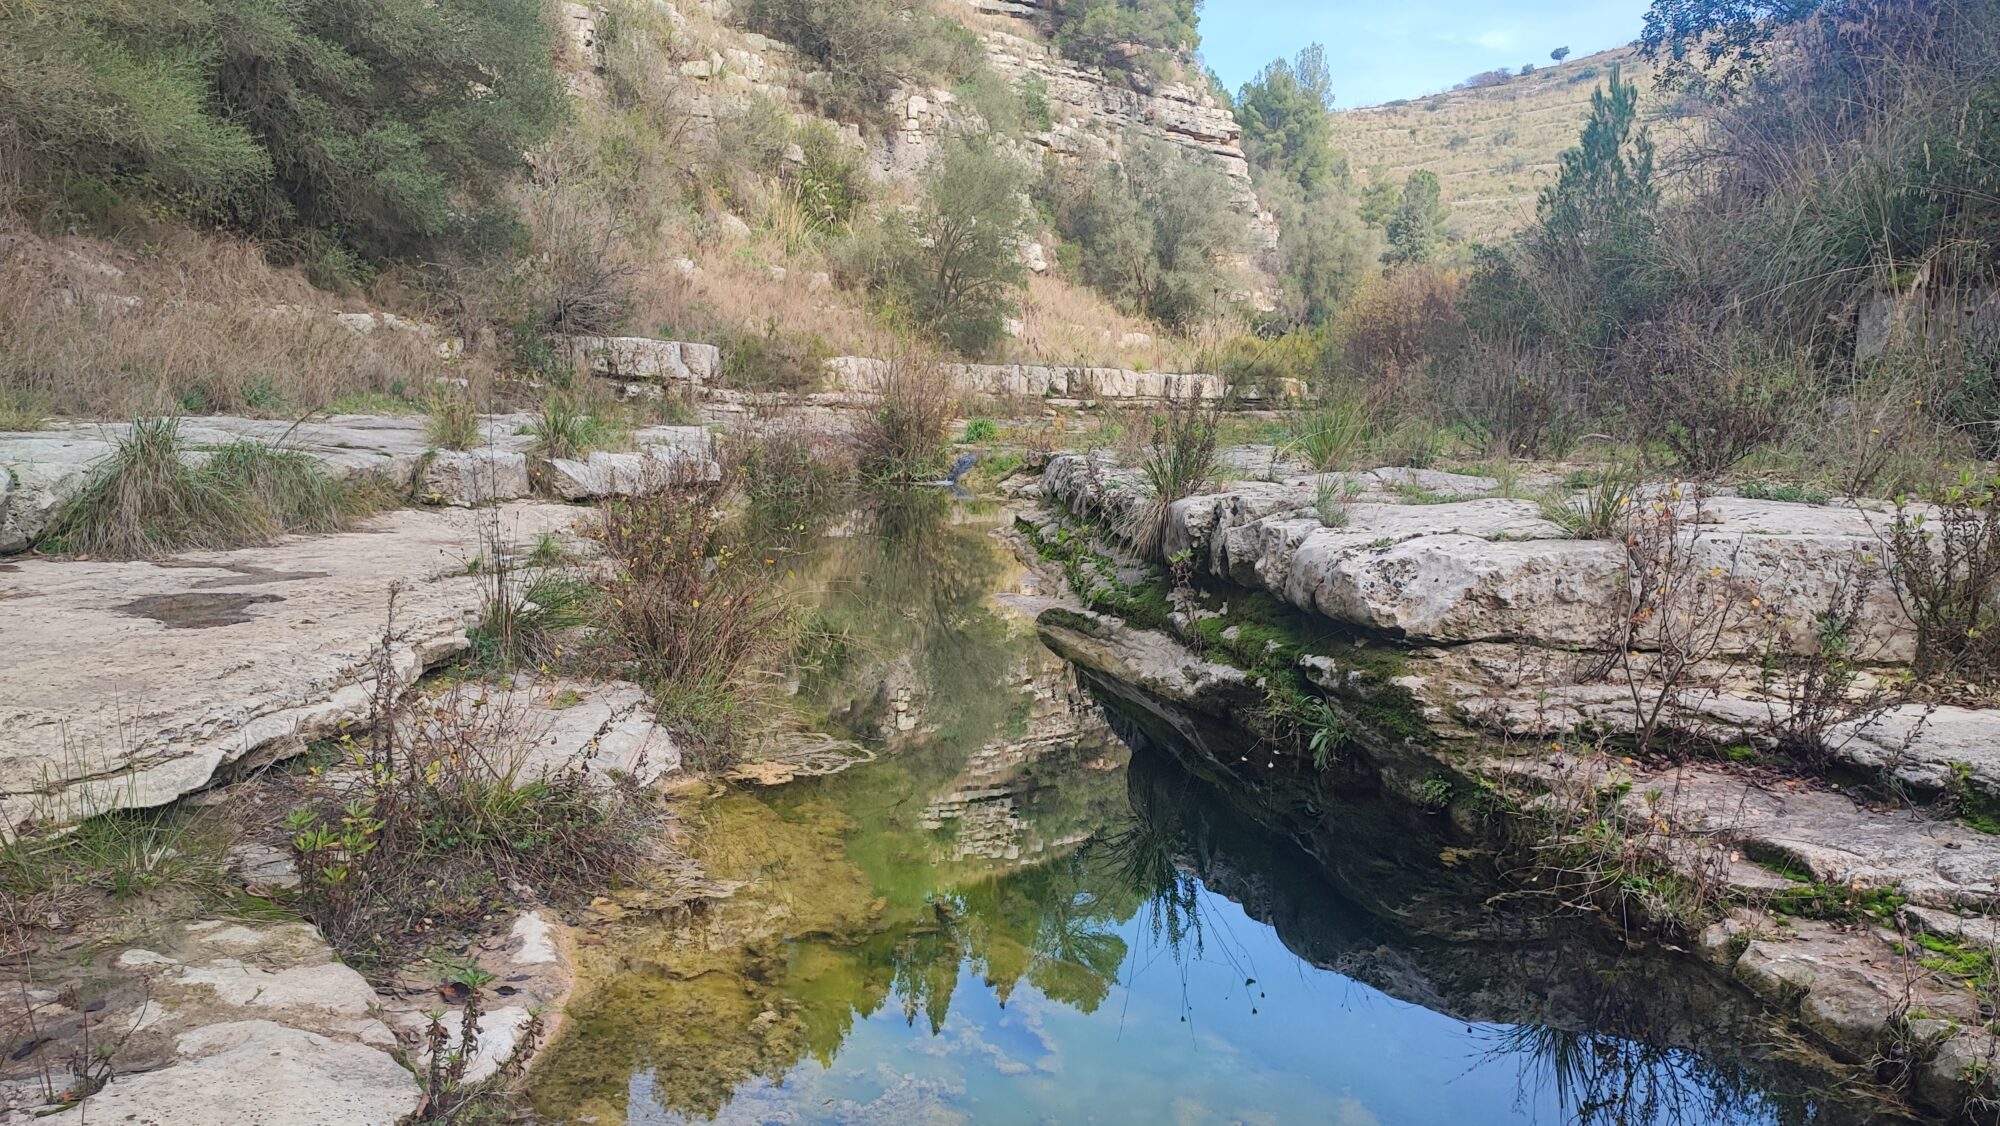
1014, 915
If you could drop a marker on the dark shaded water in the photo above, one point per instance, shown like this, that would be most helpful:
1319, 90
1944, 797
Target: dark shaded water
1011, 917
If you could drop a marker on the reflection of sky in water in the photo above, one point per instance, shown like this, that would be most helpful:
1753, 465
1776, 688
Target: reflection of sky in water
1301, 1045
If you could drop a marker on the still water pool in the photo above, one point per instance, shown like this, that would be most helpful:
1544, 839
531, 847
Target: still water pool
1012, 917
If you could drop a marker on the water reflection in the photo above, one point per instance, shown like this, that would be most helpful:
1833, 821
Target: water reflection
1004, 920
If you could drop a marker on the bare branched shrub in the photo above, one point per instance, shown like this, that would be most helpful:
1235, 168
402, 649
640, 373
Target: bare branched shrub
582, 285
1815, 673
689, 612
1521, 400
433, 816
1713, 397
1678, 608
905, 436
1944, 562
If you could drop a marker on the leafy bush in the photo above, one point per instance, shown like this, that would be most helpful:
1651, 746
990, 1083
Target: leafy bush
951, 268
1152, 230
359, 122
1098, 31
864, 49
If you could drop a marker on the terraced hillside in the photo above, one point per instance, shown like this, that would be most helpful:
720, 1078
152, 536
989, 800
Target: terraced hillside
1493, 147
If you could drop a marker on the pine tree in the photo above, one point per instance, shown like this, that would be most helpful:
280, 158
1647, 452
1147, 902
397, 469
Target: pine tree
1604, 189
1416, 230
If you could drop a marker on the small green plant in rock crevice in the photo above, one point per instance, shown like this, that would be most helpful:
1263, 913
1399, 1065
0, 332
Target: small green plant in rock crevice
1597, 510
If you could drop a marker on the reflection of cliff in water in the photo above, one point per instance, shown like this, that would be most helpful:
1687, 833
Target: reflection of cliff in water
1621, 1037
879, 887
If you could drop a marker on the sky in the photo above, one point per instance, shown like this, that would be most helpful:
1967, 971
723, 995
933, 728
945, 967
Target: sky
1380, 50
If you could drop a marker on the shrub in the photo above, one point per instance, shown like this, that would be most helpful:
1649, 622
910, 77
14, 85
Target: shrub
1944, 563
441, 820
904, 438
151, 497
952, 267
775, 360
371, 124
1152, 230
864, 49
1398, 321
690, 614
1519, 400
1713, 397
982, 431
1101, 31
793, 473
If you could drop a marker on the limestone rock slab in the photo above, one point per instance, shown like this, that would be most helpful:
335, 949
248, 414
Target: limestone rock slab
149, 677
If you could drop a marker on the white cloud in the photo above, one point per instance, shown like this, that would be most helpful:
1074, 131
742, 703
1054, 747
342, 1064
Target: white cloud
1498, 39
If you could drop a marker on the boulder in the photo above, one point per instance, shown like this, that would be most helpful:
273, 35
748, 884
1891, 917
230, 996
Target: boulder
647, 360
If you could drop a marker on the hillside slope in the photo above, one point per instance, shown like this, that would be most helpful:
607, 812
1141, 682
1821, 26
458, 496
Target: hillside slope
1493, 147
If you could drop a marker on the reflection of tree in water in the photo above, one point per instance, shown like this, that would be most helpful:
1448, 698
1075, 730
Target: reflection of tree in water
1602, 1080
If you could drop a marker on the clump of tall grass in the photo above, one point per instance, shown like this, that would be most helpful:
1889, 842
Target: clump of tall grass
154, 496
452, 422
1331, 436
566, 429
1599, 510
1179, 460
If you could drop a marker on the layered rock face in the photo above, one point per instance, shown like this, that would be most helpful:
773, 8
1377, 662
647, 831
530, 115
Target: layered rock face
862, 375
1488, 674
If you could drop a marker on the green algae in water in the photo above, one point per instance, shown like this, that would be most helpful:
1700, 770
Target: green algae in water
1005, 920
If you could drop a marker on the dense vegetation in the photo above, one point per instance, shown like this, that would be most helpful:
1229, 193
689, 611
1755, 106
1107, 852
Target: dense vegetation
353, 128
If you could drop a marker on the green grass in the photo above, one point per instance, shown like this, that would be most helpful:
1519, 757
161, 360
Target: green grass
1332, 436
565, 430
153, 496
123, 855
981, 431
452, 422
1790, 492
1598, 507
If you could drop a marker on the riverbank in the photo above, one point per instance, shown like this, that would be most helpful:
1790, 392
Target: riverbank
1449, 656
